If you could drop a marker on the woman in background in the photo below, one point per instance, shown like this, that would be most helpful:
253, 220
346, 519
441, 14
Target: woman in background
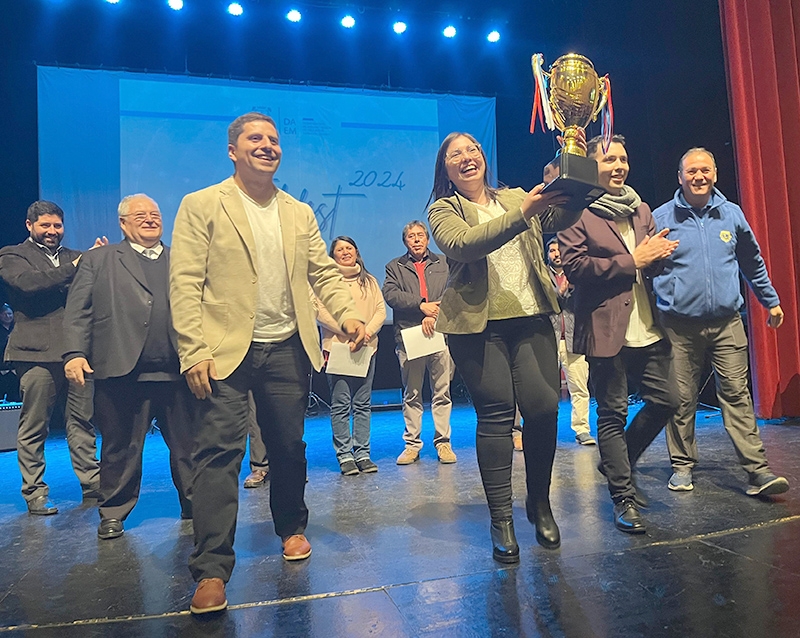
353, 394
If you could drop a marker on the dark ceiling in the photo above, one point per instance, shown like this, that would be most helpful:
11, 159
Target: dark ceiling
664, 59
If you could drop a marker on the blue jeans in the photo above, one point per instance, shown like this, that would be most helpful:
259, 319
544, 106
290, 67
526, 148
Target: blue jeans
346, 392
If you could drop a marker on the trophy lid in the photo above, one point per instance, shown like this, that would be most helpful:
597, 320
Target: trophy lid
571, 59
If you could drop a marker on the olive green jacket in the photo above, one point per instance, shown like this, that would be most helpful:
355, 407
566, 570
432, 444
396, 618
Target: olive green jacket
466, 242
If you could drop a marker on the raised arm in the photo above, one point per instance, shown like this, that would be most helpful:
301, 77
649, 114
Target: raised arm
461, 242
17, 273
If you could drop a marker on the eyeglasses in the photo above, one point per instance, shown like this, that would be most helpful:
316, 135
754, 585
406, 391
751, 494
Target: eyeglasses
140, 218
473, 150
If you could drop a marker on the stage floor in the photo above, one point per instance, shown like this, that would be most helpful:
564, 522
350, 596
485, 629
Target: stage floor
406, 551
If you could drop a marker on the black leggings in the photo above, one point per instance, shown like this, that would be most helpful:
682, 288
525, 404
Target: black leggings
512, 362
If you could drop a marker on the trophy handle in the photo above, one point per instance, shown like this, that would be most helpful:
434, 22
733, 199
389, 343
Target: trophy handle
602, 90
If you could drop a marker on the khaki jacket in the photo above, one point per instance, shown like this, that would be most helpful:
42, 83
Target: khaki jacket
214, 277
466, 242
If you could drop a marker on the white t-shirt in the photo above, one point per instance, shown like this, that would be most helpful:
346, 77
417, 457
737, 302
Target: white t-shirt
642, 330
275, 317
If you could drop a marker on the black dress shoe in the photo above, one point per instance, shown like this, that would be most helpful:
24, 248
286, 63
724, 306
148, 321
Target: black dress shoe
640, 498
627, 517
504, 542
40, 506
541, 516
110, 528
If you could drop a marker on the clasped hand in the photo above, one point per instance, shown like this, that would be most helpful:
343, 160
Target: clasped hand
653, 248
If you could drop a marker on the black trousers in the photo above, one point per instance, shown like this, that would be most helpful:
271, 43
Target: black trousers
124, 410
277, 375
650, 370
512, 362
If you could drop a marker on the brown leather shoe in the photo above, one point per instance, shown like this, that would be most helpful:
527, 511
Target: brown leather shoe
296, 547
256, 478
209, 596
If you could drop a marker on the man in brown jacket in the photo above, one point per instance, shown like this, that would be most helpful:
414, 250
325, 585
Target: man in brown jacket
609, 256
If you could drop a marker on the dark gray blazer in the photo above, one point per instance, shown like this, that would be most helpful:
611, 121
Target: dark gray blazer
37, 291
108, 311
401, 289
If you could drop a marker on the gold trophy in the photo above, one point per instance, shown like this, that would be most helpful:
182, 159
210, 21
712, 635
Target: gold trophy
575, 98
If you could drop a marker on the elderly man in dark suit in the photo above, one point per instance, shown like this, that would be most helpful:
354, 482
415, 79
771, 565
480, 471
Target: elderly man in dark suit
37, 274
610, 256
118, 317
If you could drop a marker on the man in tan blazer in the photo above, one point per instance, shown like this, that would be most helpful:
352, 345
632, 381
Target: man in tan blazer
243, 256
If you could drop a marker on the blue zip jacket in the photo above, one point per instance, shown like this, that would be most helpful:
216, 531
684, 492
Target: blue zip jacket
700, 280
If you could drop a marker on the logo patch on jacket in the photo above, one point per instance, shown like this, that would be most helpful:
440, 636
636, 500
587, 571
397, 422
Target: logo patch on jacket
725, 235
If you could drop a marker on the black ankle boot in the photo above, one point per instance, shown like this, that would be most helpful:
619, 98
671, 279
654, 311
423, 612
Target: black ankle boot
540, 515
504, 542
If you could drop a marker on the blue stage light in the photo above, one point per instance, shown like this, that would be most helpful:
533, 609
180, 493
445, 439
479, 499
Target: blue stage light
235, 9
294, 16
399, 27
493, 36
348, 22
449, 32
112, 1
175, 5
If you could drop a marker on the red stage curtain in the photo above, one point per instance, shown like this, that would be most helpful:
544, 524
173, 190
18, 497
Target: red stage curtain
762, 54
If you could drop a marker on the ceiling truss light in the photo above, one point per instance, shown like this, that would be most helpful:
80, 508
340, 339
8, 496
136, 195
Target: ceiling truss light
175, 5
112, 1
494, 36
449, 31
294, 16
348, 22
235, 9
399, 27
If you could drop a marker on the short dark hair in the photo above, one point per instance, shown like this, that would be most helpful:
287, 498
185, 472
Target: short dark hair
237, 126
43, 207
413, 224
552, 240
597, 142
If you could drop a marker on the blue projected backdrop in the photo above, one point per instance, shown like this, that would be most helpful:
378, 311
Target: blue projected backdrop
362, 159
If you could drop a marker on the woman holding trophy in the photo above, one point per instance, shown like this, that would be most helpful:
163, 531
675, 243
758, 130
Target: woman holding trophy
495, 311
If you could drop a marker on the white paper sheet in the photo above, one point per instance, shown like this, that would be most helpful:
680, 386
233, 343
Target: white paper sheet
418, 345
351, 364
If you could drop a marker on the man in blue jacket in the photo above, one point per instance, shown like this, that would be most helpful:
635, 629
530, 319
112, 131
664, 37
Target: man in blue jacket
698, 296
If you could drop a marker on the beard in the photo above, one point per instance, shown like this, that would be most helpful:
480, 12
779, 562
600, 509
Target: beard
47, 239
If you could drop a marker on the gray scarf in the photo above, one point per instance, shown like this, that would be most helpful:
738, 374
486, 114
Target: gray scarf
619, 206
